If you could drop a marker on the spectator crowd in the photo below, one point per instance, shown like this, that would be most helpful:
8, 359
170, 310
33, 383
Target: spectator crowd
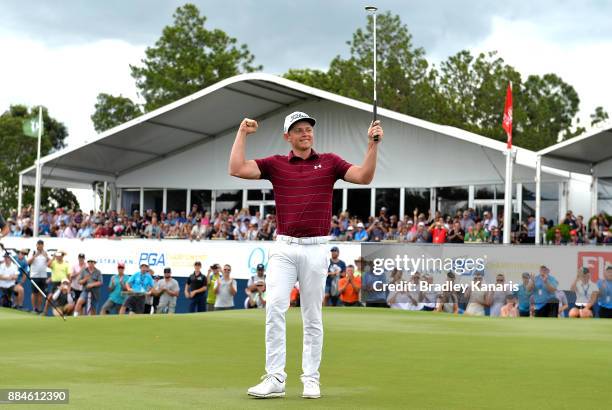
77, 289
465, 226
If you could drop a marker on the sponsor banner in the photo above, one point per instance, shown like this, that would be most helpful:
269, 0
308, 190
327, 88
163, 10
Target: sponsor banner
179, 255
564, 262
464, 260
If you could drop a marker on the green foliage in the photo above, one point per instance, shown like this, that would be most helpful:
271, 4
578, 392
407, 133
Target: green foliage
600, 115
19, 152
112, 111
565, 232
188, 57
465, 91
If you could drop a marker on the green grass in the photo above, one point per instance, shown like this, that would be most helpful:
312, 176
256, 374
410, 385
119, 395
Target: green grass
372, 359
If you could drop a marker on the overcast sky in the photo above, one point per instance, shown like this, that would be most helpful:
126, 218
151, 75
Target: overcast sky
63, 53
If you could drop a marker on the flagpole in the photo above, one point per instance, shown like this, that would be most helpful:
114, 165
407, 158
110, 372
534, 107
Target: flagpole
38, 176
508, 190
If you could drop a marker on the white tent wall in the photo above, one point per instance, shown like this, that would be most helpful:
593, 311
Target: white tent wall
409, 156
579, 197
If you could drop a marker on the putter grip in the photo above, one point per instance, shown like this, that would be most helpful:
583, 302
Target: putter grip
375, 137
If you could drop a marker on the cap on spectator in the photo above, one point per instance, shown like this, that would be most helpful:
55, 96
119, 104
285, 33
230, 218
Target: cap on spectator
167, 270
25, 251
261, 267
91, 260
410, 221
573, 232
360, 225
65, 280
334, 249
360, 259
121, 265
421, 224
350, 228
81, 256
295, 117
383, 208
144, 264
60, 253
526, 275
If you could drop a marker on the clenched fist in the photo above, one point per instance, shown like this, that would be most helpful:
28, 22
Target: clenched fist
248, 126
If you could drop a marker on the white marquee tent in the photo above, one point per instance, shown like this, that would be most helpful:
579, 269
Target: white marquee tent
186, 144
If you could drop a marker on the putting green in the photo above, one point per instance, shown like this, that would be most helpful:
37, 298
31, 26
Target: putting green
372, 359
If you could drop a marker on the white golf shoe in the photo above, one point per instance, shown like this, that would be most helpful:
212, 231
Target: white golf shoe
312, 389
270, 386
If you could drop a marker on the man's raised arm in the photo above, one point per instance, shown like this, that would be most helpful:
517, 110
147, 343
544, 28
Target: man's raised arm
365, 173
238, 165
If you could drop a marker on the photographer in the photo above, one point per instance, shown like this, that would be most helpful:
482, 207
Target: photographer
63, 299
8, 274
212, 277
138, 284
586, 292
38, 273
91, 279
117, 285
60, 270
195, 289
257, 297
544, 287
168, 290
225, 288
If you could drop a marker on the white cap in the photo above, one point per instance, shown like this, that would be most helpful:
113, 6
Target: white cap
295, 117
421, 223
360, 225
350, 228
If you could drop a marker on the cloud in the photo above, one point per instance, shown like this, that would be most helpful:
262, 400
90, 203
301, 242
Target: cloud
533, 49
66, 79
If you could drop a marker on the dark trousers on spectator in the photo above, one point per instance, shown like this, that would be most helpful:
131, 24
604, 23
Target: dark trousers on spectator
605, 313
548, 310
210, 307
198, 303
377, 304
523, 313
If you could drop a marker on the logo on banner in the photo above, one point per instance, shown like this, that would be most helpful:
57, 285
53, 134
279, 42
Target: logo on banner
257, 256
596, 262
152, 258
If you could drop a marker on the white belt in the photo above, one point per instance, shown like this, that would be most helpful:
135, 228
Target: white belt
313, 240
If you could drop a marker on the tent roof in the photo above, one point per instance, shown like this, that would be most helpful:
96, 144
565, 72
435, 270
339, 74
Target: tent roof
202, 117
589, 153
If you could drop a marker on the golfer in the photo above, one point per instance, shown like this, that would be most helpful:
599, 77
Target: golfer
303, 184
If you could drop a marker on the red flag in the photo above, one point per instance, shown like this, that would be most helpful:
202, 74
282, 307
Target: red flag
507, 122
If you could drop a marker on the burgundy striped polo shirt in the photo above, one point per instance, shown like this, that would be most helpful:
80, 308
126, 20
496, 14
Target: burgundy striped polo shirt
303, 191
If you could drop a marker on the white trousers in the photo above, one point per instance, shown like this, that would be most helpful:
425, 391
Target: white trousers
287, 264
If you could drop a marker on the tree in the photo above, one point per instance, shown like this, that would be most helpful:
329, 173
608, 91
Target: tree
465, 91
599, 116
19, 152
188, 57
112, 111
551, 105
403, 75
